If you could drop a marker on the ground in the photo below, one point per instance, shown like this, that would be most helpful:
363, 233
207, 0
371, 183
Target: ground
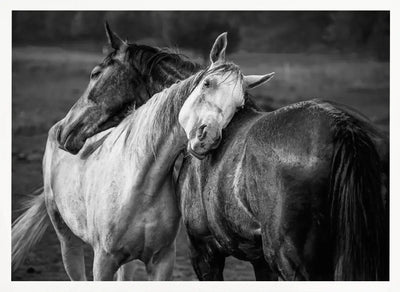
46, 81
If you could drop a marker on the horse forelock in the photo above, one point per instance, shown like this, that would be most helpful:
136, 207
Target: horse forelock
109, 59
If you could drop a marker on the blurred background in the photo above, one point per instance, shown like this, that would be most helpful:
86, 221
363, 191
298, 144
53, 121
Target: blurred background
335, 55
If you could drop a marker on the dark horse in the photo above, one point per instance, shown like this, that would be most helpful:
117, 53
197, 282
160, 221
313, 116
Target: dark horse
297, 191
298, 187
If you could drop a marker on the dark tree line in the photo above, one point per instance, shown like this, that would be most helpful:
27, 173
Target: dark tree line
365, 32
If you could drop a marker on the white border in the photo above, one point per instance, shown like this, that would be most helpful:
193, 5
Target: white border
6, 6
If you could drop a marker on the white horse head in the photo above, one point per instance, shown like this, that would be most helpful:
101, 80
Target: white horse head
212, 104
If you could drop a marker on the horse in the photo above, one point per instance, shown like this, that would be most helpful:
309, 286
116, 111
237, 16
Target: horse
297, 192
118, 194
298, 189
209, 263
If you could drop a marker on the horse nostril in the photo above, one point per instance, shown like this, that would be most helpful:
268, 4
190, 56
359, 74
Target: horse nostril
216, 143
201, 132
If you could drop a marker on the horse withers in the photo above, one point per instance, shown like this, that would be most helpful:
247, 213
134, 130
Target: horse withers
119, 196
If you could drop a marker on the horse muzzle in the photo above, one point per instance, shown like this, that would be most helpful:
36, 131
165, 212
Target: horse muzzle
206, 139
69, 140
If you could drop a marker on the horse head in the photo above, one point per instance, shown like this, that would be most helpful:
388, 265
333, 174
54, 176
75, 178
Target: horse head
126, 79
213, 102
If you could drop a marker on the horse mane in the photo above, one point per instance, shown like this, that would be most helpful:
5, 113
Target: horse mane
148, 58
170, 65
250, 104
145, 127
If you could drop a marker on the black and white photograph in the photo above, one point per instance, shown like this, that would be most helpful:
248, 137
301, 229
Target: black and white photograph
200, 145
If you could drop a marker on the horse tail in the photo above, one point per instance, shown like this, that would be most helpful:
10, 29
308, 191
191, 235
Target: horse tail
358, 224
29, 228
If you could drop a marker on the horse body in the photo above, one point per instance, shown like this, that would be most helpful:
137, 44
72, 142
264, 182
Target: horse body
264, 194
114, 198
96, 201
117, 194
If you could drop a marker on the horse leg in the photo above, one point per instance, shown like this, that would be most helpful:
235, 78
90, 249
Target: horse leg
262, 271
209, 267
71, 246
126, 271
73, 257
207, 262
296, 242
105, 265
160, 266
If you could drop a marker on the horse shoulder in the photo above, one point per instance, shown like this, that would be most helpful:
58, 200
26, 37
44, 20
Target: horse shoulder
49, 153
63, 186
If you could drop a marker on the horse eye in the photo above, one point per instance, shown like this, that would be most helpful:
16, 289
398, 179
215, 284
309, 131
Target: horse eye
95, 74
207, 83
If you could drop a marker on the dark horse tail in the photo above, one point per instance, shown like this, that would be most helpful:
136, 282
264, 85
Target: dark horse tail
358, 217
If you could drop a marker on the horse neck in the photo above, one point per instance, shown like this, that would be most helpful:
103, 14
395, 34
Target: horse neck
169, 72
154, 138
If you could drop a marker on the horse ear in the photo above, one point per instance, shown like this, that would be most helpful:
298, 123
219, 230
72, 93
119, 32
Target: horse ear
253, 81
113, 39
218, 50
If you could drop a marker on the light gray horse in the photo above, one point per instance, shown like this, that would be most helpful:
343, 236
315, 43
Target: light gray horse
118, 194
